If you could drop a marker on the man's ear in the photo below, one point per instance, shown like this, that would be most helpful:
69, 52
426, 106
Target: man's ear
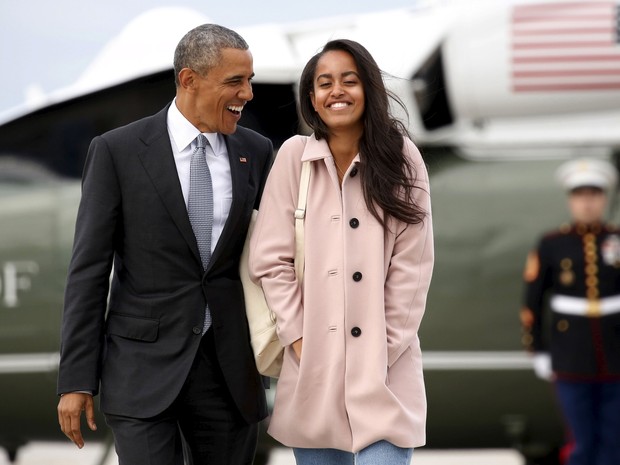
187, 79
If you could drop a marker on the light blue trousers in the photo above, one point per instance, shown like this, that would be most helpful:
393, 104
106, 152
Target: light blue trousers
379, 453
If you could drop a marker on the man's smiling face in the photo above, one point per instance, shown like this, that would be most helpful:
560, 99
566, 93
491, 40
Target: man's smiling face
221, 94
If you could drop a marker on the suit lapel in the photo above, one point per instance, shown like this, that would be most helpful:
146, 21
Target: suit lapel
239, 172
158, 161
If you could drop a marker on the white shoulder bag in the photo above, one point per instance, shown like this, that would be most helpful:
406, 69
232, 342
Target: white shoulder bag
268, 352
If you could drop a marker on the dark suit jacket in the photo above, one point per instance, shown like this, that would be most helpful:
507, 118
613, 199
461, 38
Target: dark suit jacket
140, 345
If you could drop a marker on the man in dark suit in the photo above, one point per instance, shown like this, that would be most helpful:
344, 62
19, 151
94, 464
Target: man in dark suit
170, 351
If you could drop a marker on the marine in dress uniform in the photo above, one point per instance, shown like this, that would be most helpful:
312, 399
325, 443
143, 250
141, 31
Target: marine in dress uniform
575, 273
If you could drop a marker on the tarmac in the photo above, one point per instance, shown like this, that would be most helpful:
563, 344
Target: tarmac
59, 453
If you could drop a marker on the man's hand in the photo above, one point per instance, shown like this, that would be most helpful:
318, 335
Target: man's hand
70, 410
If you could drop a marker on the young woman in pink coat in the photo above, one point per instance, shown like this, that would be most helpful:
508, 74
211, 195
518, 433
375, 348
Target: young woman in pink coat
351, 388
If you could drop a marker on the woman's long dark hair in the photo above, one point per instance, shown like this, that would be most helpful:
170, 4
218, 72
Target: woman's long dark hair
387, 176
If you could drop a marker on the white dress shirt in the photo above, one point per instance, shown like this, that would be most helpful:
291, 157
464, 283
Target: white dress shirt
182, 138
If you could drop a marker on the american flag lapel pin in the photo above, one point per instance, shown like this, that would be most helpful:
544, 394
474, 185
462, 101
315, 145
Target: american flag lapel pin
243, 160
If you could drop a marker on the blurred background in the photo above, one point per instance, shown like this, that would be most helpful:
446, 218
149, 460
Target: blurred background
497, 95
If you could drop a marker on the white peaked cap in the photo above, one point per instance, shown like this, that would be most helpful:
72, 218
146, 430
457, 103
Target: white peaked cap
587, 172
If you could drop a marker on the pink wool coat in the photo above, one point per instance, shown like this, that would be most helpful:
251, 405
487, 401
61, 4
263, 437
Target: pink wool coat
359, 308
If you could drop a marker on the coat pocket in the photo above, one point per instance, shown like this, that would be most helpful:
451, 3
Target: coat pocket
132, 327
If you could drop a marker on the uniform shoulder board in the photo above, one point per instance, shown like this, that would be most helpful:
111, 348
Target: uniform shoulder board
565, 228
562, 230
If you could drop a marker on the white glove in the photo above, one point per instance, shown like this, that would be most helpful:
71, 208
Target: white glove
542, 366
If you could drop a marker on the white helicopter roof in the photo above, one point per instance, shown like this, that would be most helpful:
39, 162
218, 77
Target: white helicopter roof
280, 50
144, 46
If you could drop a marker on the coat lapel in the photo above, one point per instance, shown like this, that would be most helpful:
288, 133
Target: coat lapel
158, 161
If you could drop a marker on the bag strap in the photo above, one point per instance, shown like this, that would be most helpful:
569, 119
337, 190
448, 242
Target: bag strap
300, 214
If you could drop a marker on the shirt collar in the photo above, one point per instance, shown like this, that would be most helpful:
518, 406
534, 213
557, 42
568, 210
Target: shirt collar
183, 133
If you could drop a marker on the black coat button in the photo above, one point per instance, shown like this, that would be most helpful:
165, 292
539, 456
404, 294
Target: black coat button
196, 330
357, 276
353, 172
354, 223
356, 332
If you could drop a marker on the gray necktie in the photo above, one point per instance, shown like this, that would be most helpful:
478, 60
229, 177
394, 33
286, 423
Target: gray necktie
200, 206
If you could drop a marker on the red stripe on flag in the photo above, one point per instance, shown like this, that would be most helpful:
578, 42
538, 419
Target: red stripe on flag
550, 17
565, 59
566, 87
563, 7
563, 31
539, 45
567, 73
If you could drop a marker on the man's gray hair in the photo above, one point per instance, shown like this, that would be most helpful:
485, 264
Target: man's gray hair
201, 48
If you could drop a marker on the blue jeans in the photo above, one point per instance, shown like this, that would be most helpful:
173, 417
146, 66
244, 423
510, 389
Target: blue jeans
592, 411
379, 453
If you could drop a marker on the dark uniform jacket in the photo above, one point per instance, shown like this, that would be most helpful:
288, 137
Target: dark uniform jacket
576, 273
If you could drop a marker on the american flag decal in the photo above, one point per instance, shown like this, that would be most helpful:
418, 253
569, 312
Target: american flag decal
565, 46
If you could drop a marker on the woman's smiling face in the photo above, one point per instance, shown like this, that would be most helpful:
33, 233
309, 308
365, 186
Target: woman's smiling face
338, 95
